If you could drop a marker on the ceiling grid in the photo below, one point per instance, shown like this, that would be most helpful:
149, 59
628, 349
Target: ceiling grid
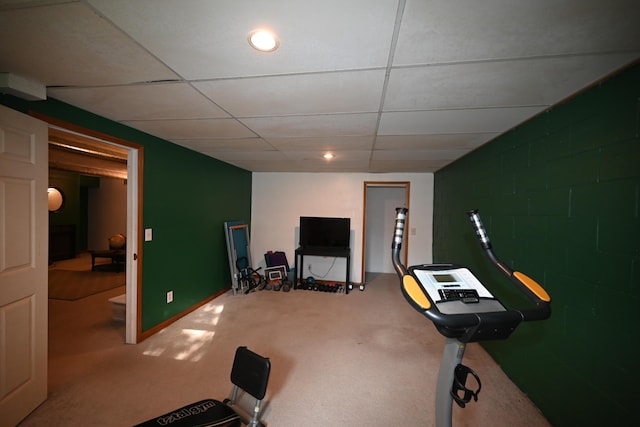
386, 85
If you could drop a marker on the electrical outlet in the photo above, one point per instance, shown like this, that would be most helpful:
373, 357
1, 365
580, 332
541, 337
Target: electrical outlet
169, 297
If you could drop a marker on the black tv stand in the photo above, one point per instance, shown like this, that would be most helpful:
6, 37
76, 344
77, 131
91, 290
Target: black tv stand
327, 252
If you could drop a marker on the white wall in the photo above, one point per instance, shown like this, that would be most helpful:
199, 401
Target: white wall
280, 199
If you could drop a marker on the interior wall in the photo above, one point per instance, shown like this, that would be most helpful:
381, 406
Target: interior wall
559, 196
381, 215
280, 199
107, 211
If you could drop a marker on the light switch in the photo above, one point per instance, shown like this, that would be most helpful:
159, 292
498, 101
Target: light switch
148, 235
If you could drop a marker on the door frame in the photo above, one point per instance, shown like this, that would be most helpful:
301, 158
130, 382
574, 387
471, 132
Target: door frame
135, 169
407, 195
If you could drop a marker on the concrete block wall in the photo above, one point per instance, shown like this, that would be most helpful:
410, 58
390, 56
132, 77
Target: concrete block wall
560, 197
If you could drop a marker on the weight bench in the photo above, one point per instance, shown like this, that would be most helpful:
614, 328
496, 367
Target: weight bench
250, 373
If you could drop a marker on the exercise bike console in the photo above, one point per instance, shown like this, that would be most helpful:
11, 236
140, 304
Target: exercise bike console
447, 284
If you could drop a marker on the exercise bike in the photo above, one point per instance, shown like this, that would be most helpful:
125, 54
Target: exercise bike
463, 310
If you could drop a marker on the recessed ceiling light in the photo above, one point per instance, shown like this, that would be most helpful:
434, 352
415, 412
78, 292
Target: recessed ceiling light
263, 40
328, 156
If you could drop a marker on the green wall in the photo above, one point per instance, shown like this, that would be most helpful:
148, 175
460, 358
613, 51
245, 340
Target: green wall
560, 196
187, 197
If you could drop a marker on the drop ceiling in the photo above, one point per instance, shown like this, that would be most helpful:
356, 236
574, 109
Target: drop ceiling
386, 85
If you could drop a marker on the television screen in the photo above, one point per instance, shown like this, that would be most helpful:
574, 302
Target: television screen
322, 232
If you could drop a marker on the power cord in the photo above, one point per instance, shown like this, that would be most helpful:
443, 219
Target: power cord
325, 274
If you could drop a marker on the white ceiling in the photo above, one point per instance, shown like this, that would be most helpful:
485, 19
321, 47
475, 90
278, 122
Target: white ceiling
386, 85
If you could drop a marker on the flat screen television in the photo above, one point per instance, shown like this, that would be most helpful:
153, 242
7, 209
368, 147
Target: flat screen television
323, 232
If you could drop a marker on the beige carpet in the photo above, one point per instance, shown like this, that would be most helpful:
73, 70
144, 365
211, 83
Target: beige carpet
71, 285
363, 359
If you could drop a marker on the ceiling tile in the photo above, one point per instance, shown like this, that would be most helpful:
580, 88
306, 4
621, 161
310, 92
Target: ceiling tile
345, 161
256, 161
460, 141
270, 166
323, 144
212, 145
418, 154
208, 39
526, 82
340, 156
70, 45
265, 156
469, 30
485, 120
382, 166
313, 126
192, 129
142, 102
342, 92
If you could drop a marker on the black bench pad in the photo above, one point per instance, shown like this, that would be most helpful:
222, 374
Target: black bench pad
205, 413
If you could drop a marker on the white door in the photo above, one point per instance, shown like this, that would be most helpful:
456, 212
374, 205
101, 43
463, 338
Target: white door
23, 264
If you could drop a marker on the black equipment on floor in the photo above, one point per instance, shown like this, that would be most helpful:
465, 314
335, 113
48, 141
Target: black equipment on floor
249, 279
277, 271
463, 310
250, 373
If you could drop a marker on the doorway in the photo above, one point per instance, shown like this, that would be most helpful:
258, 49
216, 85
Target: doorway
380, 200
78, 137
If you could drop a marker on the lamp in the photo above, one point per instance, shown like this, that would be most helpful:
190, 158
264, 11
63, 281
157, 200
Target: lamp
54, 199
